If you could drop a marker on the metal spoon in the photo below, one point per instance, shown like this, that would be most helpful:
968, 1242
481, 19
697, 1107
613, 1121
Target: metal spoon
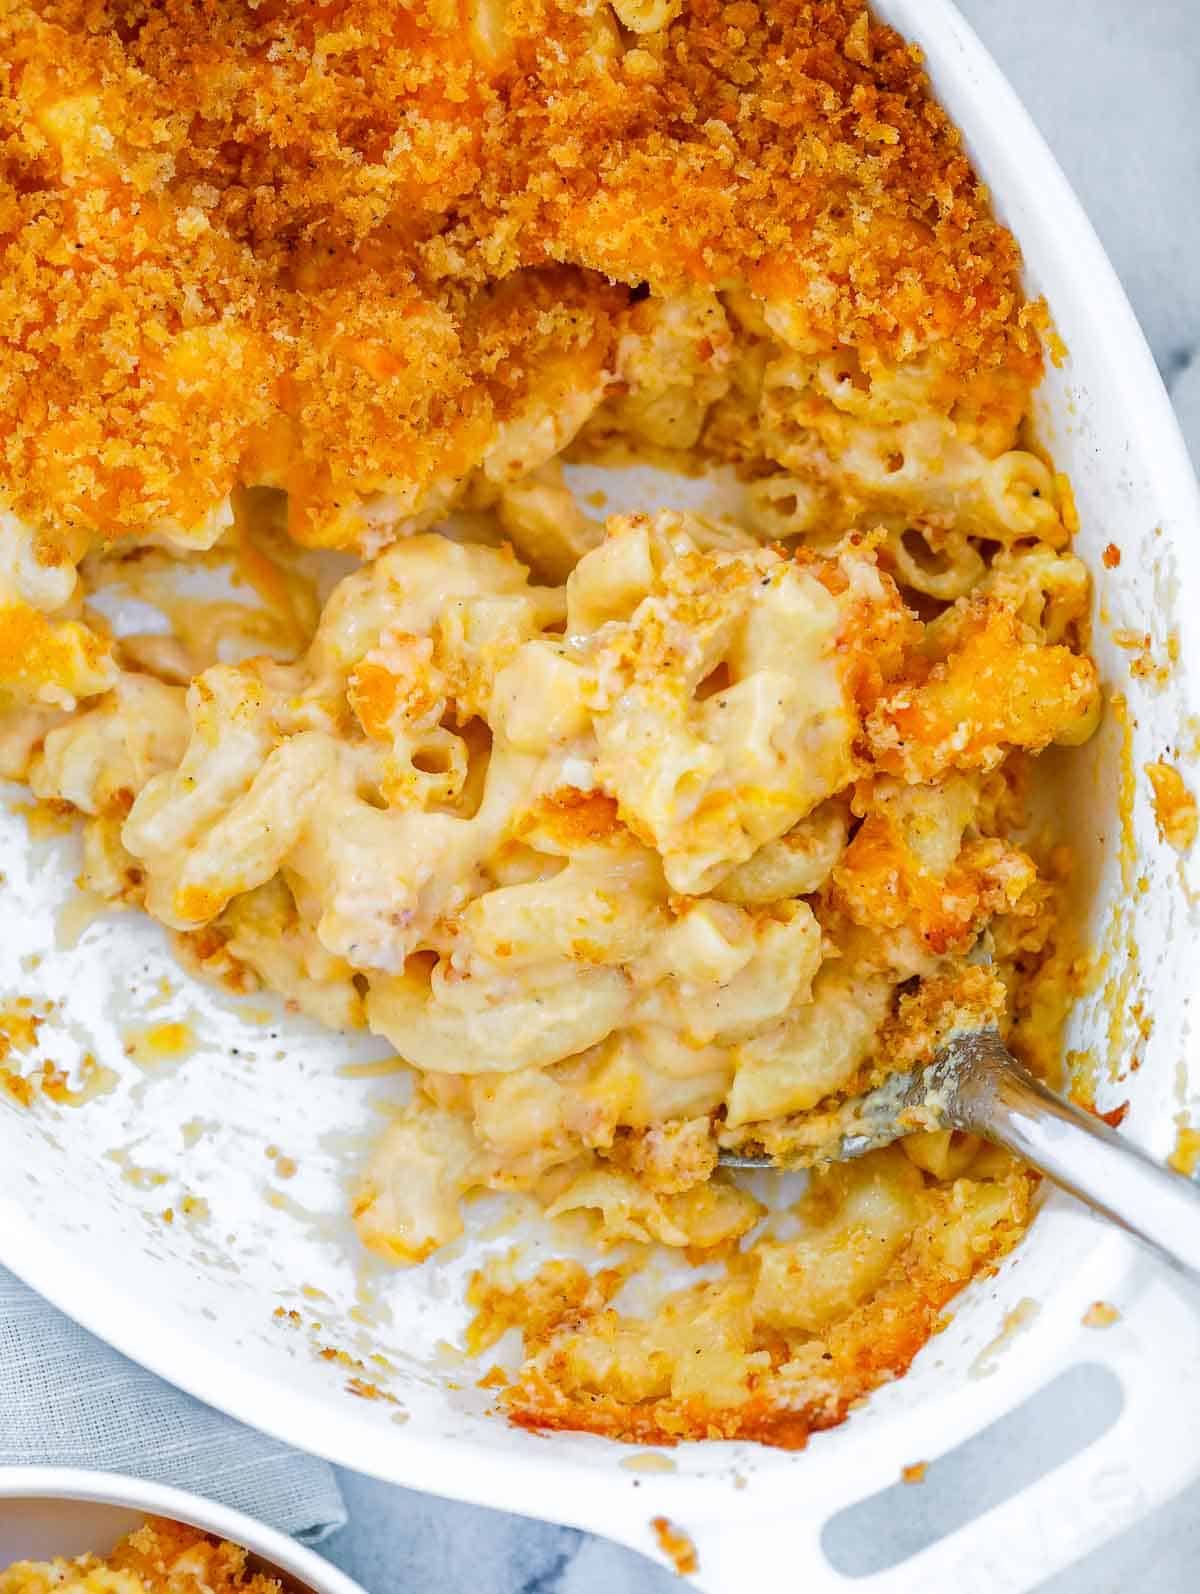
976, 1085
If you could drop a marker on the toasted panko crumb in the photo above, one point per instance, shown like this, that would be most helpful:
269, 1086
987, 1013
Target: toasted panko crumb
675, 1545
1174, 806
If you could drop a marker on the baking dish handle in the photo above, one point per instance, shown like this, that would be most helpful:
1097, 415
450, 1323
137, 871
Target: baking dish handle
1148, 1455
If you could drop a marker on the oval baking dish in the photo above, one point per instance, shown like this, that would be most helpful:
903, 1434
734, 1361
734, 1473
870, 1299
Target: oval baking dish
280, 1324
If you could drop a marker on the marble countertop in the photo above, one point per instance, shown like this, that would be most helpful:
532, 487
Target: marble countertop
1115, 88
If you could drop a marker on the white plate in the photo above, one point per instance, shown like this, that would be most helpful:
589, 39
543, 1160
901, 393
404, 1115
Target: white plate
197, 1300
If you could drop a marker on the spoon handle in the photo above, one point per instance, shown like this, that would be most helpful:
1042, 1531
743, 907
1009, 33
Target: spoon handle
1079, 1152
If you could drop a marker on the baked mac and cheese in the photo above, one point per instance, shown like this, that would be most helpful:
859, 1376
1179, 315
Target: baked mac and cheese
638, 837
158, 1558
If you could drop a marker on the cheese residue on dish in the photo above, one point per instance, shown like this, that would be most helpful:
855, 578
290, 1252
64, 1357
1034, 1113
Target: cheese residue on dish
151, 1045
648, 1461
1022, 1314
20, 1024
1186, 1154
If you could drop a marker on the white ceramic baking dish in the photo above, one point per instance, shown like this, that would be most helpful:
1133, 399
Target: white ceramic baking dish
204, 1300
66, 1511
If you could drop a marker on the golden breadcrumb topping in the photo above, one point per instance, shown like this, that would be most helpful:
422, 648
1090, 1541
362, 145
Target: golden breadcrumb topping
306, 246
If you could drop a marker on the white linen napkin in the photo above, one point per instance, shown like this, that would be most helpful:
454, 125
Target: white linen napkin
68, 1400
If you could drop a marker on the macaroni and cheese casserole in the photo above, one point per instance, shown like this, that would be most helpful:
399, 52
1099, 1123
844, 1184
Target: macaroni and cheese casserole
639, 837
160, 1558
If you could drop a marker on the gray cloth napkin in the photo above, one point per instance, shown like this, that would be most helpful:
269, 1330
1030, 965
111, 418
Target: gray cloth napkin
68, 1400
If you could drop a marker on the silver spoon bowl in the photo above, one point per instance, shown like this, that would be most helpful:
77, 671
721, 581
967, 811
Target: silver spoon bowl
974, 1084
